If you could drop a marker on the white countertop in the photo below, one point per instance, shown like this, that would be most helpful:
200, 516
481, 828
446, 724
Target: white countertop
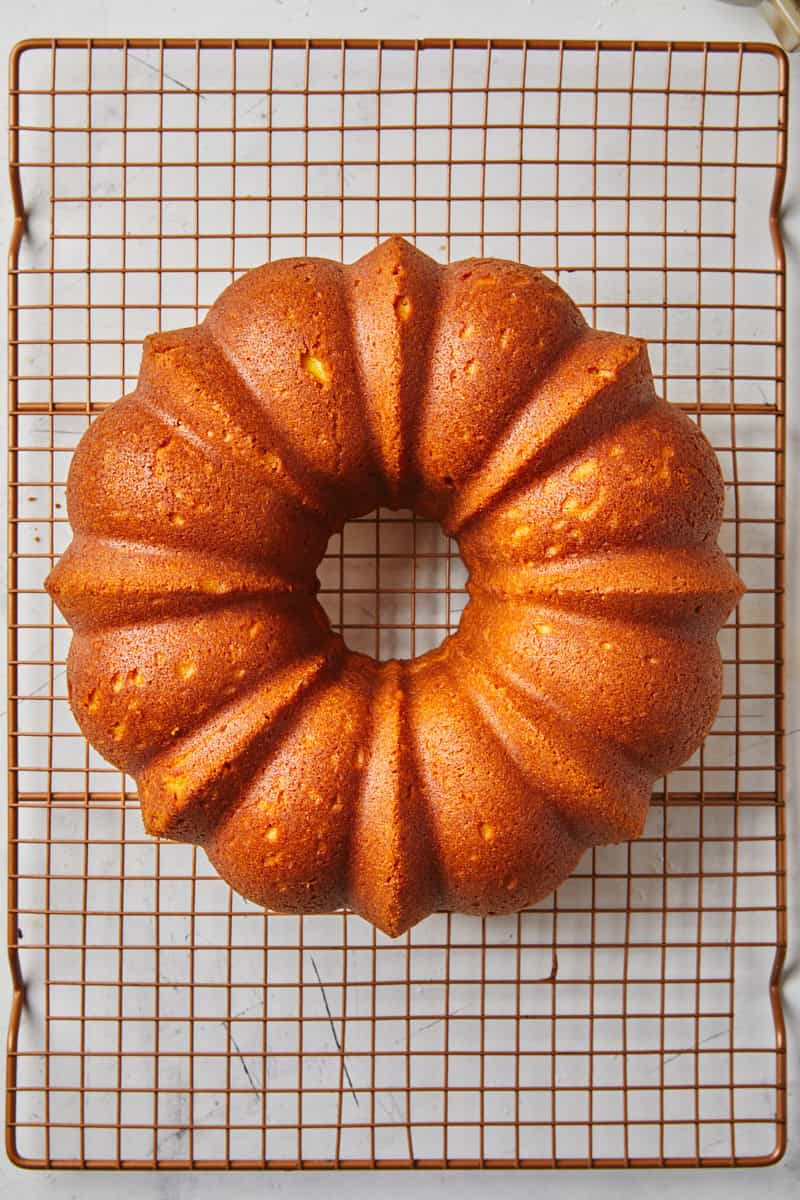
625, 19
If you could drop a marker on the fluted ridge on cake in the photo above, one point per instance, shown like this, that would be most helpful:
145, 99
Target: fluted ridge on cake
393, 875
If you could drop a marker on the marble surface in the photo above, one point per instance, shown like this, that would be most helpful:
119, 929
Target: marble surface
608, 19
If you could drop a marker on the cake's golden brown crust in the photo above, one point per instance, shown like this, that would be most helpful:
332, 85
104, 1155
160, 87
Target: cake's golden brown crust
393, 877
393, 300
285, 328
500, 327
287, 843
587, 512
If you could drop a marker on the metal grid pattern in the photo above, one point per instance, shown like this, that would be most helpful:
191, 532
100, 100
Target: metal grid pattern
633, 1018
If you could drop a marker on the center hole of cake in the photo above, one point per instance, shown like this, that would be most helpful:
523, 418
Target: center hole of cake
393, 584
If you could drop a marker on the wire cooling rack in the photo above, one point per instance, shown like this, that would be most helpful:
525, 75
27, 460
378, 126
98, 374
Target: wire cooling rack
633, 1018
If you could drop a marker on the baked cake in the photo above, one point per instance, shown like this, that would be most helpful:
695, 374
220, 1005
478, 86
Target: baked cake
586, 510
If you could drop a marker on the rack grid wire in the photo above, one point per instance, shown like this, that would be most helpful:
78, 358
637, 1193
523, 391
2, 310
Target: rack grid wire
634, 1018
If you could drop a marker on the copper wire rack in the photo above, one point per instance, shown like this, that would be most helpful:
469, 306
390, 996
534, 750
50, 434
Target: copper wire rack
634, 1018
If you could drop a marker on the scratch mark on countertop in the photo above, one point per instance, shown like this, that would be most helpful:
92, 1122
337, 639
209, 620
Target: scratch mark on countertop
333, 1030
712, 1037
245, 1067
164, 74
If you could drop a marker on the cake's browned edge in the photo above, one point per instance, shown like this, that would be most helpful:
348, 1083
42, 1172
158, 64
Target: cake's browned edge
17, 233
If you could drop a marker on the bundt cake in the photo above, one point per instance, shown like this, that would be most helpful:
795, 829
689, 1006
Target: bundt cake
586, 510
